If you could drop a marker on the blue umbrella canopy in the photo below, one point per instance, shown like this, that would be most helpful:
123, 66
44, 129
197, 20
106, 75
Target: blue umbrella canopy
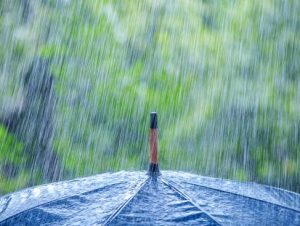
135, 198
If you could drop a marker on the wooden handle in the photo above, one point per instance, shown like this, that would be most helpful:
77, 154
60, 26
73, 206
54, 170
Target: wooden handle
154, 146
153, 166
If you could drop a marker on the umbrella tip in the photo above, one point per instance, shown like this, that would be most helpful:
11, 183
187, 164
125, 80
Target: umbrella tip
153, 166
153, 120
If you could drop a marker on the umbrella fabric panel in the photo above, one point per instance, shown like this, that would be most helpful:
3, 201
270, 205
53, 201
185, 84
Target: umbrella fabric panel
249, 189
91, 207
97, 196
158, 204
232, 209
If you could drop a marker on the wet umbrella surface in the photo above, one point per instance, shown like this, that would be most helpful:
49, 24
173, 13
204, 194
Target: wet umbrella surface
134, 198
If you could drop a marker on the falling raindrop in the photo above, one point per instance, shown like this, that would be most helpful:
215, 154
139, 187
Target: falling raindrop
79, 78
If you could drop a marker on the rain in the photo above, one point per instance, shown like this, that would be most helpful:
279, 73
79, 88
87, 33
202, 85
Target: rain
79, 78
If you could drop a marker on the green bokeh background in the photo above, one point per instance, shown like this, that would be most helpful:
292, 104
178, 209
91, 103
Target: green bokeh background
224, 77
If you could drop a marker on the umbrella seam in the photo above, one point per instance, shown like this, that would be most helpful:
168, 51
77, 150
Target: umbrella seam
189, 199
245, 196
124, 204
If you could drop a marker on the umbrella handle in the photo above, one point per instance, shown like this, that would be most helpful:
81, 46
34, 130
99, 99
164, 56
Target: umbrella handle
154, 146
153, 167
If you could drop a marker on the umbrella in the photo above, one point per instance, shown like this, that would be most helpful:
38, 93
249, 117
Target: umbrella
150, 198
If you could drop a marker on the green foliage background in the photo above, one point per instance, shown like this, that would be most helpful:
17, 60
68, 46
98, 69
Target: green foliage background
223, 76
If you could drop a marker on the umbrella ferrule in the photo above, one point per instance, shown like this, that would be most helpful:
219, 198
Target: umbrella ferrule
153, 120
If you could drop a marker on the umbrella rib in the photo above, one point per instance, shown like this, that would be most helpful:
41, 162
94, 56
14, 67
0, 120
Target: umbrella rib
249, 197
125, 203
186, 197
